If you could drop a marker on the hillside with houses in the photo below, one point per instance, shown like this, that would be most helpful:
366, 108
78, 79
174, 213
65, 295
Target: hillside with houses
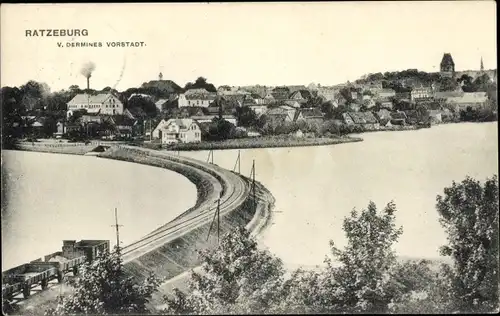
162, 112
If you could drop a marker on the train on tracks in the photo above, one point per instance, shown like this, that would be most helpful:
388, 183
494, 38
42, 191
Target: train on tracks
23, 278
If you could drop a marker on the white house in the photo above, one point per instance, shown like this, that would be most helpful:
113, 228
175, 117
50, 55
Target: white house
177, 130
103, 103
201, 100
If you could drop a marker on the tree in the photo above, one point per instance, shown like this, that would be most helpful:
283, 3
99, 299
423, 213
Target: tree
363, 282
12, 112
328, 109
103, 288
246, 116
146, 104
469, 214
220, 129
200, 83
236, 277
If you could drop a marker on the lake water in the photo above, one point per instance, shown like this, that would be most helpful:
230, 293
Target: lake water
55, 197
316, 187
50, 197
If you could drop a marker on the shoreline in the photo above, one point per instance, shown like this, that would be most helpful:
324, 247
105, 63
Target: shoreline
262, 142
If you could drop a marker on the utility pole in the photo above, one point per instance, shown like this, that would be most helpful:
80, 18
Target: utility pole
253, 186
117, 232
218, 220
252, 176
238, 163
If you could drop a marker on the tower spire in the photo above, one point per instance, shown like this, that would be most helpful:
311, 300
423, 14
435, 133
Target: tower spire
482, 66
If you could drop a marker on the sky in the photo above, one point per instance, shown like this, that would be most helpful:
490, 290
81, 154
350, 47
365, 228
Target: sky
243, 43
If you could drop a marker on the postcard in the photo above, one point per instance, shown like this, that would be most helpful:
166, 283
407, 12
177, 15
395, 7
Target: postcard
248, 158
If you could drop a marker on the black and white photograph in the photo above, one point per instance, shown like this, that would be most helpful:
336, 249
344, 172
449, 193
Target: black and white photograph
249, 158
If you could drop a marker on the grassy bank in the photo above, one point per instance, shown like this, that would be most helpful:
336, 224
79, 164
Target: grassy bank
262, 142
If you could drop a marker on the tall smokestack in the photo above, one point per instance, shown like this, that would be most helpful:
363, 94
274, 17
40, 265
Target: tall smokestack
86, 71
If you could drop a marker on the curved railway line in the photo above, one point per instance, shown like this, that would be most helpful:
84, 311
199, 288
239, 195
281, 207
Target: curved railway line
232, 195
216, 187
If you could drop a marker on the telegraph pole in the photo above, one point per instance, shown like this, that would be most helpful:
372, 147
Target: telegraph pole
252, 176
253, 185
117, 232
238, 163
218, 220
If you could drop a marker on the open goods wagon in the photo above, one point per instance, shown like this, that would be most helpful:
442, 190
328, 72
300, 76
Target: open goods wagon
24, 277
53, 266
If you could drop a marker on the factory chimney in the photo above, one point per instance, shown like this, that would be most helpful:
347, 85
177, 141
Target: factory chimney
86, 71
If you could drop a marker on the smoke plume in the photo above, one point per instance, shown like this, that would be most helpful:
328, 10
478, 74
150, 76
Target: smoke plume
87, 69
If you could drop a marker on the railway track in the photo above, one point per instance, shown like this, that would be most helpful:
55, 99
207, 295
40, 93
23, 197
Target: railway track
234, 192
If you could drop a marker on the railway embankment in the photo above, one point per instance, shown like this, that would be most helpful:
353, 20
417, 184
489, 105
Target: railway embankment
174, 247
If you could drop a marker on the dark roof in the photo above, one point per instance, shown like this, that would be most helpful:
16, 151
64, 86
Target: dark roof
137, 112
212, 110
447, 60
305, 94
311, 113
122, 120
280, 95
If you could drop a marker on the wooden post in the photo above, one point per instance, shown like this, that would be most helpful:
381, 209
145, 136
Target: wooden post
218, 220
253, 186
211, 224
117, 232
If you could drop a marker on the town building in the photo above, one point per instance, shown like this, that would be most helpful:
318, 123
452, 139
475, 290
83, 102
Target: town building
200, 100
475, 100
281, 114
312, 116
327, 93
177, 131
365, 119
420, 93
103, 103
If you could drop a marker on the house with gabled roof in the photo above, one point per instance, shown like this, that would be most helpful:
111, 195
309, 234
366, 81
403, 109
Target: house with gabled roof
200, 100
281, 114
301, 96
104, 103
310, 115
177, 131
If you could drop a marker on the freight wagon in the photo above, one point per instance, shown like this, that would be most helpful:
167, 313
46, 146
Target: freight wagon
53, 266
28, 275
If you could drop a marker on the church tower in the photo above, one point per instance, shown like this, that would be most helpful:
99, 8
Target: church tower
447, 66
160, 76
482, 66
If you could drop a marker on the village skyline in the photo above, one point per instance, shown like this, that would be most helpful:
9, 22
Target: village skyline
281, 44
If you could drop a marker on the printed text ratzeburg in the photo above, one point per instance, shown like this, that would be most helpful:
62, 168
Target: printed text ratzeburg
57, 32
